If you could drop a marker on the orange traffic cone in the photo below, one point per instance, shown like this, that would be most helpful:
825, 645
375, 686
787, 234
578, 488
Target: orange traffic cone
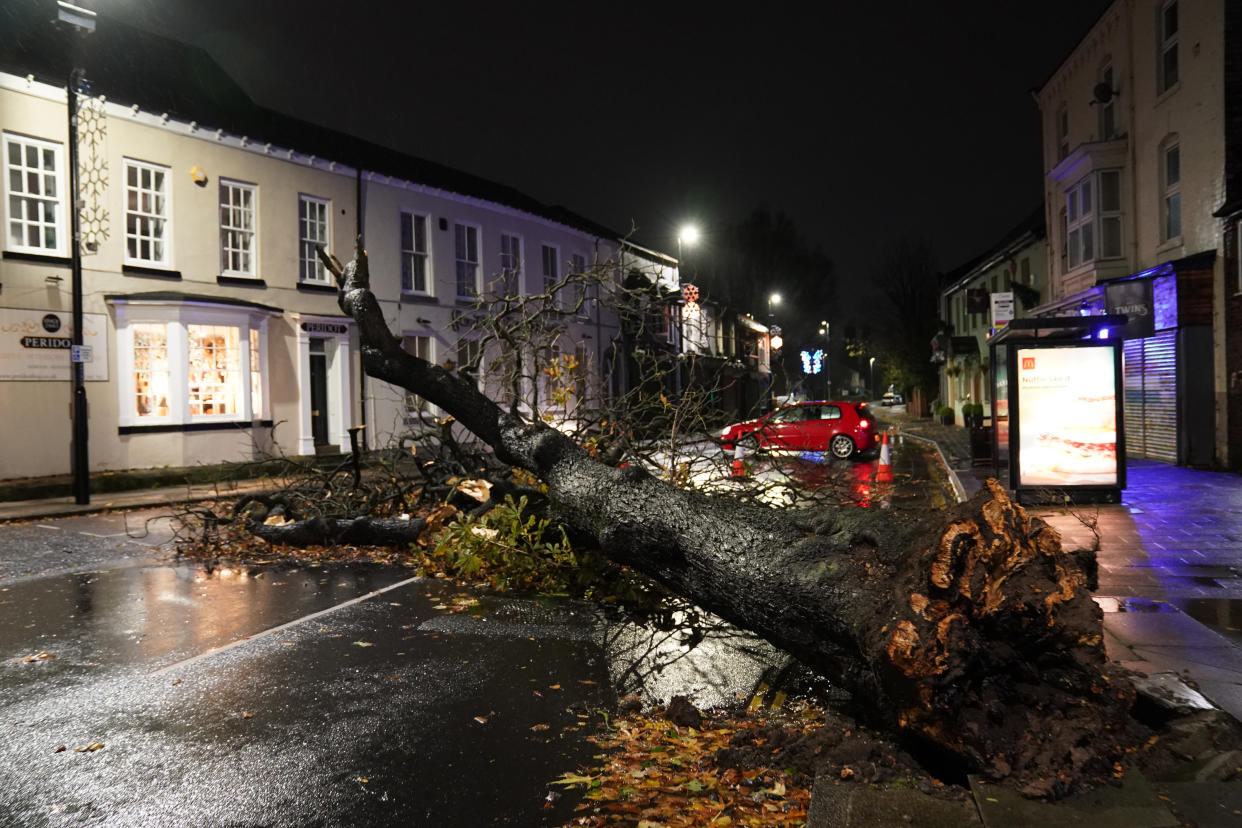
884, 472
739, 461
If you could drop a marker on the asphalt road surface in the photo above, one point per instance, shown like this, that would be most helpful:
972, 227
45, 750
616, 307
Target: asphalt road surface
135, 691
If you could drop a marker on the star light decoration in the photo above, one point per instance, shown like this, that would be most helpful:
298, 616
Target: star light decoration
690, 295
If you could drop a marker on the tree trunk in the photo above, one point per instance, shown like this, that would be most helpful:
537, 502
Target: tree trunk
971, 628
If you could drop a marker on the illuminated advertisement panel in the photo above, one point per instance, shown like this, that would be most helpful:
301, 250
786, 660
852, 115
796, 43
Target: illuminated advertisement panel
1067, 416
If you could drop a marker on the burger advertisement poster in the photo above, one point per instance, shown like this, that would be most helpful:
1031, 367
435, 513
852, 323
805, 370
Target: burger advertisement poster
1067, 416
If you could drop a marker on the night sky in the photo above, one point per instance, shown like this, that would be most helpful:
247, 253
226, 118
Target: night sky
864, 122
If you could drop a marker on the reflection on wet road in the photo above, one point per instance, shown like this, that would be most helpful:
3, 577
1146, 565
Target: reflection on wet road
268, 695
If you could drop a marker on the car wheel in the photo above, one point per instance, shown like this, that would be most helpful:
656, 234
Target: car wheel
750, 443
842, 447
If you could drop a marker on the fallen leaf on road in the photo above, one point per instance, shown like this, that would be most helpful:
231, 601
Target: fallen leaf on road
175, 683
41, 656
481, 719
276, 520
247, 715
539, 727
91, 748
363, 644
59, 749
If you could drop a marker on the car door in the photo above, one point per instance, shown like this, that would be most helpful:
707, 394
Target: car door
801, 429
782, 427
828, 426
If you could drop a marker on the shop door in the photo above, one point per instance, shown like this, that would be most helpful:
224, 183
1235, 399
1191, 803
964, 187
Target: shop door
319, 391
1151, 396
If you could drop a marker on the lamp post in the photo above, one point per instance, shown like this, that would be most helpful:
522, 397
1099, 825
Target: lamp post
83, 22
872, 383
825, 331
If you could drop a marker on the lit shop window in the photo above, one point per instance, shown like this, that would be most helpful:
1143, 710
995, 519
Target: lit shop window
214, 371
256, 374
150, 370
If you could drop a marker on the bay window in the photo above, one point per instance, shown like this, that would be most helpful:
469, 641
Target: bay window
190, 364
1092, 220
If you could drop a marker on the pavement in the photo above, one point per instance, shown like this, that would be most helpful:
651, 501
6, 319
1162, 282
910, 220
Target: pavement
1170, 557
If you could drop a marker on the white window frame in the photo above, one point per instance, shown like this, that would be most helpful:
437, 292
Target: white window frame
176, 320
473, 235
239, 229
159, 234
1237, 247
512, 261
1084, 220
1166, 45
578, 297
468, 344
1107, 109
310, 270
1061, 128
25, 198
1170, 191
412, 255
413, 404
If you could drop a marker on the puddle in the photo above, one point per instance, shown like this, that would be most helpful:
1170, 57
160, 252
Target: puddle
157, 615
1108, 604
1224, 615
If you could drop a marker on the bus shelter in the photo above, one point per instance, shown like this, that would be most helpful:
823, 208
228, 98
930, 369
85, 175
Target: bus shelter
1057, 395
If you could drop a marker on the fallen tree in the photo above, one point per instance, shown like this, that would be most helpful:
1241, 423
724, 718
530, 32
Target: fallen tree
971, 629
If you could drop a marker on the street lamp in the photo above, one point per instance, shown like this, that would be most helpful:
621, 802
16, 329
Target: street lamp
873, 377
687, 235
773, 301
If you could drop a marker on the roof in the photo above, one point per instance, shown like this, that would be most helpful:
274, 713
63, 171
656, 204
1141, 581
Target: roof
161, 75
1030, 229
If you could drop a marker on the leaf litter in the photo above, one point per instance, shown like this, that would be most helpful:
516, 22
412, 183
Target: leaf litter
741, 767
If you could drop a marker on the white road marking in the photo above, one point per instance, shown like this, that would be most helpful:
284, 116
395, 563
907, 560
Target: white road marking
217, 650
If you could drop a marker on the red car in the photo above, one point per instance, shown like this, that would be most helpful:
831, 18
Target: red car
842, 428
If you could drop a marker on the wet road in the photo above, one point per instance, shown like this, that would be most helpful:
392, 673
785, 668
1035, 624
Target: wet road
283, 695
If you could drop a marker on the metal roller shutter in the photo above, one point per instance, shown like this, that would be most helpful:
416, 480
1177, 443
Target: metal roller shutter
1151, 396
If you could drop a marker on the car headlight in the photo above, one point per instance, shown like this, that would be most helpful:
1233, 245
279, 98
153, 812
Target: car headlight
724, 432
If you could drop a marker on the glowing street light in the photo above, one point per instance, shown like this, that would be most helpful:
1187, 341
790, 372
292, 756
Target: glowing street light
873, 376
688, 235
773, 301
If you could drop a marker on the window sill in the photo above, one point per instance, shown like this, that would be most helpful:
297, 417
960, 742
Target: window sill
240, 281
164, 428
419, 298
1168, 93
40, 258
1171, 244
316, 287
153, 272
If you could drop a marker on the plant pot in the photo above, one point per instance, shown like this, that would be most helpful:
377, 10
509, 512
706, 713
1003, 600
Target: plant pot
946, 419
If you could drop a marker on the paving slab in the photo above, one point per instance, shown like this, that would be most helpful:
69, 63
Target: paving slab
849, 805
1207, 803
1133, 804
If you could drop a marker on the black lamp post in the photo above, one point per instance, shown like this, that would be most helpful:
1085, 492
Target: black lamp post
83, 22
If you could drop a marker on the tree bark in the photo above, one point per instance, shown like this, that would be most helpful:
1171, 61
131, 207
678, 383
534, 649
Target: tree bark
971, 629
